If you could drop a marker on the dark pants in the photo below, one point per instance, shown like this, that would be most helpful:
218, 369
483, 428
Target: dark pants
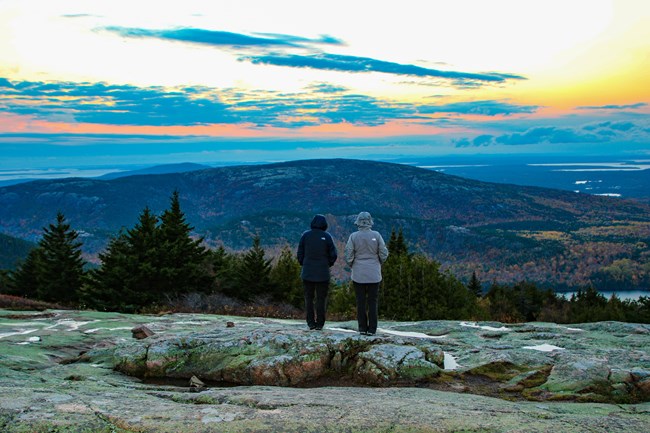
319, 290
367, 306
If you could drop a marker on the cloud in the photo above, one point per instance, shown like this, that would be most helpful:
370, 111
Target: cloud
548, 135
326, 88
483, 140
112, 104
616, 126
324, 39
484, 108
604, 132
101, 103
307, 110
70, 138
343, 63
319, 60
318, 104
613, 107
221, 38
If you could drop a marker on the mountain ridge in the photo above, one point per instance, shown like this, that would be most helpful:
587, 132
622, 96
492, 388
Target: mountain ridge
155, 169
506, 232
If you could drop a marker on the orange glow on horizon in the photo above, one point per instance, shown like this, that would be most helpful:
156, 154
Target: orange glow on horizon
19, 124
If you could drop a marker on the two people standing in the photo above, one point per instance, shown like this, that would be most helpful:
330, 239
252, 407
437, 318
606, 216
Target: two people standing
365, 252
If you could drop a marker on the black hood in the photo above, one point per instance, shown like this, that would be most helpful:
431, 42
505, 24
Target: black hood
319, 222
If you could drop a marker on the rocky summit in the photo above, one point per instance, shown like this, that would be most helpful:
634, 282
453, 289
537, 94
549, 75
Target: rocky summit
84, 371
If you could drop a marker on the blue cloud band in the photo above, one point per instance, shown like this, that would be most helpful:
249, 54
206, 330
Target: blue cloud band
336, 62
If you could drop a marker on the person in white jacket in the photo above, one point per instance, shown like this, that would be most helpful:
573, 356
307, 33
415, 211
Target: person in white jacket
365, 252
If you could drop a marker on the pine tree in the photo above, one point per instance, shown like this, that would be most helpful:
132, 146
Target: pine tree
475, 286
285, 279
183, 261
392, 239
61, 265
396, 244
27, 278
110, 285
5, 281
395, 293
395, 300
414, 287
224, 267
142, 261
128, 278
253, 275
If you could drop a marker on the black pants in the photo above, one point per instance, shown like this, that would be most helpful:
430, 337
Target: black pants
367, 306
319, 290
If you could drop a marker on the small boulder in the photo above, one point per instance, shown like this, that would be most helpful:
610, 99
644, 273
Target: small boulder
140, 332
196, 384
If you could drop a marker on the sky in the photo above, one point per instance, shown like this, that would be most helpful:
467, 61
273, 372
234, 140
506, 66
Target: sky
103, 83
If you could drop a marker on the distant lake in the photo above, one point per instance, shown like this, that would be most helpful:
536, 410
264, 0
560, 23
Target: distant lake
622, 294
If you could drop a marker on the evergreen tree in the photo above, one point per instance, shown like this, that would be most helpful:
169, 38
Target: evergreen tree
253, 273
615, 309
128, 278
5, 281
392, 239
224, 269
61, 267
475, 286
588, 305
395, 298
396, 243
414, 287
111, 286
153, 260
183, 261
141, 260
285, 279
341, 301
503, 307
27, 278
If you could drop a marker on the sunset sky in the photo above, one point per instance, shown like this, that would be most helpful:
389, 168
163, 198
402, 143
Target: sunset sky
117, 82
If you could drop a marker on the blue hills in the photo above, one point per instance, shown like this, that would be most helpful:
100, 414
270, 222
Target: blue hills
505, 233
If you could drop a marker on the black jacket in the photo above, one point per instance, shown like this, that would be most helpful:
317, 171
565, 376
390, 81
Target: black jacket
316, 251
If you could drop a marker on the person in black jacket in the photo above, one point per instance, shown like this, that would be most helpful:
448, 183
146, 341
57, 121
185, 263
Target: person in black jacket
316, 255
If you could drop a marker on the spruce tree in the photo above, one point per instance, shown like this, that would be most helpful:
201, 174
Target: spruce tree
142, 260
5, 281
61, 265
111, 286
285, 278
224, 267
395, 296
392, 239
253, 275
182, 260
128, 278
474, 286
396, 244
27, 278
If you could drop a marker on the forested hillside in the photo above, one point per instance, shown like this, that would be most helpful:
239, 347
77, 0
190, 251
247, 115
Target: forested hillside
12, 250
505, 233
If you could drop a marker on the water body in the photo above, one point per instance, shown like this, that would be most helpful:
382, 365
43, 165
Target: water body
624, 178
622, 294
